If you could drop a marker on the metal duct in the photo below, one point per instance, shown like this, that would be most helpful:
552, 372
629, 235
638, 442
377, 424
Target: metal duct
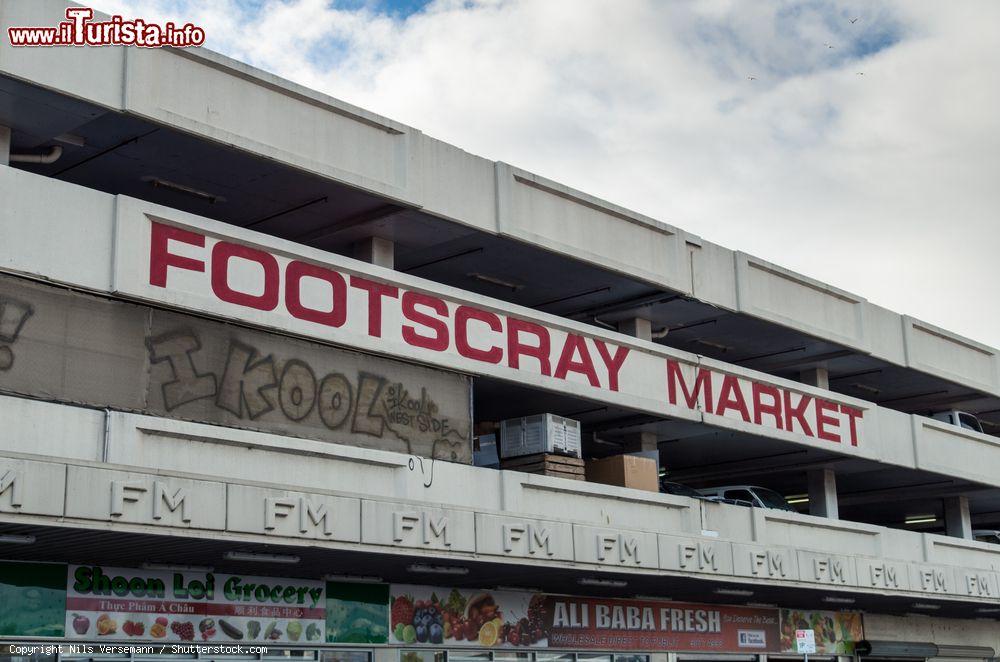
981, 652
912, 649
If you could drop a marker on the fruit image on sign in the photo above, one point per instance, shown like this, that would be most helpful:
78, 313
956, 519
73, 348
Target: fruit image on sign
835, 633
420, 615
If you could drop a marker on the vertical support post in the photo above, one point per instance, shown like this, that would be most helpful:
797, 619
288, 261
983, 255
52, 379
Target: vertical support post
819, 377
637, 327
376, 250
823, 493
4, 145
957, 519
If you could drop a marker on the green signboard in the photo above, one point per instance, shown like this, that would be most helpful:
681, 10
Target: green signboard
357, 613
32, 599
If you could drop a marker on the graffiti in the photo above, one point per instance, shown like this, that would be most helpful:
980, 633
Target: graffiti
188, 384
13, 315
98, 352
252, 385
244, 381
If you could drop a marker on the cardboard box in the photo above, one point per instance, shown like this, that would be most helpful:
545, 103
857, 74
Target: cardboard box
639, 473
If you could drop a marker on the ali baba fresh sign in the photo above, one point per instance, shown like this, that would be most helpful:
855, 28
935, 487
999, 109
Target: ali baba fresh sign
121, 603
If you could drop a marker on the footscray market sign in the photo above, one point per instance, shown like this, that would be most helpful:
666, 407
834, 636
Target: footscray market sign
233, 273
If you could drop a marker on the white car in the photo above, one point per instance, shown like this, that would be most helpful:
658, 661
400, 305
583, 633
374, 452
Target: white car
749, 495
987, 535
960, 418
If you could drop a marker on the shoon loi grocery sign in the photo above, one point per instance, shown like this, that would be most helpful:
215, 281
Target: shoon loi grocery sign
118, 603
509, 619
238, 274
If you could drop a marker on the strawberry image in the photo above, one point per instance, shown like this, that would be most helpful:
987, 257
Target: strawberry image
402, 610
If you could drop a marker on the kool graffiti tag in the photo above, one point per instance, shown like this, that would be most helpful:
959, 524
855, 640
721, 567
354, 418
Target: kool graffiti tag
81, 349
13, 315
250, 384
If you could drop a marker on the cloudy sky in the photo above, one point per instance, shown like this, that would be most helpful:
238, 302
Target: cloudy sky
865, 151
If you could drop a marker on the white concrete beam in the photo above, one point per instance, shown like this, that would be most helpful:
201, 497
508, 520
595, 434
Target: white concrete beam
823, 493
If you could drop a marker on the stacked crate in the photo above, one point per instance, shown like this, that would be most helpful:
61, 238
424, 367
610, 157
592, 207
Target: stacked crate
547, 464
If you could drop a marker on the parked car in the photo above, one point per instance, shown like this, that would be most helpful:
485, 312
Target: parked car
960, 418
749, 495
987, 535
679, 489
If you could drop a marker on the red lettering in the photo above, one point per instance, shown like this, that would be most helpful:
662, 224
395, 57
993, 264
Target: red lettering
516, 349
375, 293
796, 413
612, 363
585, 366
294, 274
853, 415
760, 409
462, 316
822, 420
731, 397
702, 385
437, 342
222, 252
160, 256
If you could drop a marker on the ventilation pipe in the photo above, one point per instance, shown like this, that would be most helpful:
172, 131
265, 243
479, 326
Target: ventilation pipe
45, 158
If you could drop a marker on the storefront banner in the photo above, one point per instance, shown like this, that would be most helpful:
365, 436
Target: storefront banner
836, 631
117, 603
357, 613
510, 619
32, 599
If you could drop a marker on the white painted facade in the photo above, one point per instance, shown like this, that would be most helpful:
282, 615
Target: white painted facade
73, 467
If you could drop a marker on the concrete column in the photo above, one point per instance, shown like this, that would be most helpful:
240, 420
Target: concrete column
640, 441
637, 327
4, 145
823, 493
377, 251
819, 377
957, 520
643, 442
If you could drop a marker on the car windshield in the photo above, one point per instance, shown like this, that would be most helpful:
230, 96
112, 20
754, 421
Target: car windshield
969, 422
681, 490
772, 499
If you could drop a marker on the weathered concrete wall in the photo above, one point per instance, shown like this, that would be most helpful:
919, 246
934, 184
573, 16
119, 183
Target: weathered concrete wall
70, 347
941, 631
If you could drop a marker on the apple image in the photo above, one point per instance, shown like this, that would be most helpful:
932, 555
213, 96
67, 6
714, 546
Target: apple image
80, 624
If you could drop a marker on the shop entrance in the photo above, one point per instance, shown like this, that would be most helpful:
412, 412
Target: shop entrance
423, 655
78, 652
711, 657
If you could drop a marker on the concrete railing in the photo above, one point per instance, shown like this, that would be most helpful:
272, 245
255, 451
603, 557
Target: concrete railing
69, 466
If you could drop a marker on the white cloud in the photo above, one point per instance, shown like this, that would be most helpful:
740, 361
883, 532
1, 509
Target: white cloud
886, 184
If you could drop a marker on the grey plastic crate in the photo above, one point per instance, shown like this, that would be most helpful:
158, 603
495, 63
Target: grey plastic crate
543, 433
